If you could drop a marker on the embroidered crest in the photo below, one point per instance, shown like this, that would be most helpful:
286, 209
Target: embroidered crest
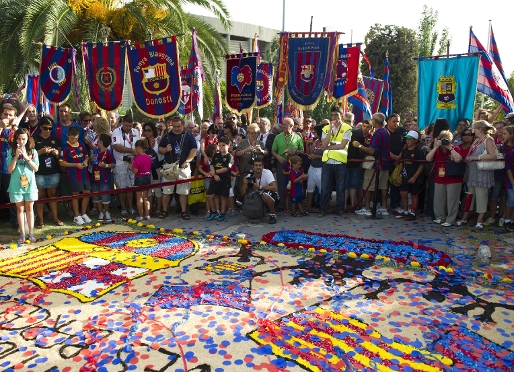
446, 88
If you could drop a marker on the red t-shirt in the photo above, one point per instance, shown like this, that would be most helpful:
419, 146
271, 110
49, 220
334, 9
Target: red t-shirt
439, 155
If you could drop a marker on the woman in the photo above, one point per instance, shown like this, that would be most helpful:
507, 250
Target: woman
151, 134
248, 150
315, 154
447, 186
479, 181
48, 148
230, 130
210, 139
467, 140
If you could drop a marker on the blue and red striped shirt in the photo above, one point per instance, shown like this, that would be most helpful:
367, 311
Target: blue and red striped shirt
71, 154
380, 142
105, 173
6, 138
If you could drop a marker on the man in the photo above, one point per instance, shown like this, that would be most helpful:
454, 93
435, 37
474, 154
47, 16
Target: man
409, 116
396, 144
266, 185
178, 142
353, 168
267, 137
325, 122
60, 129
241, 131
124, 149
283, 142
32, 121
112, 117
14, 100
334, 142
7, 129
204, 128
86, 121
379, 148
219, 123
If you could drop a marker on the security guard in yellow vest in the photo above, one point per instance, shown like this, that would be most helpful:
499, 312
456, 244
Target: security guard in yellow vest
336, 137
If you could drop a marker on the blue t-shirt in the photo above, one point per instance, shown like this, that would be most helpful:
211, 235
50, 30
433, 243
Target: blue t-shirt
175, 140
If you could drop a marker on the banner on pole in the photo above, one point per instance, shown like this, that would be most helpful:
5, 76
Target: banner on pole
241, 84
56, 71
347, 71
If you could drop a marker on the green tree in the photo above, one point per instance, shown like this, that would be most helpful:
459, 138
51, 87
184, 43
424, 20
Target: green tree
427, 34
25, 21
402, 46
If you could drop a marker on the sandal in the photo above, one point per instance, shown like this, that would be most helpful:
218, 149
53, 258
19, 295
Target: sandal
294, 214
304, 213
163, 214
32, 238
59, 223
22, 239
40, 225
461, 222
185, 216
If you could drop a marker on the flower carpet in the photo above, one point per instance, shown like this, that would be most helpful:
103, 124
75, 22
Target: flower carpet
123, 298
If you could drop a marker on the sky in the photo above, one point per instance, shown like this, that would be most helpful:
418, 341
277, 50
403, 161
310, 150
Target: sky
356, 17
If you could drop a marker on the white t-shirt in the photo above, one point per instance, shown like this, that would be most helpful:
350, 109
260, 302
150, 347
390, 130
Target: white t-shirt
125, 139
266, 178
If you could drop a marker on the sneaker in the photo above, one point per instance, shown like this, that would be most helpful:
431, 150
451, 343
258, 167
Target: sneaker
207, 214
232, 213
361, 211
479, 226
132, 211
213, 216
322, 214
287, 211
124, 213
86, 218
272, 219
221, 217
402, 215
78, 220
410, 216
509, 225
108, 216
461, 222
382, 211
148, 218
139, 219
490, 221
364, 212
501, 222
398, 212
100, 216
438, 222
446, 224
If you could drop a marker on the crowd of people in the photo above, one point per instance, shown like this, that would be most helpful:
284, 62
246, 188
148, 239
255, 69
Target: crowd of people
296, 166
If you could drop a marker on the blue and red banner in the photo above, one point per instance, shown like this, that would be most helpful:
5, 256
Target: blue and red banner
347, 71
371, 71
105, 70
34, 96
386, 104
241, 82
307, 61
264, 84
360, 101
155, 76
490, 81
190, 96
374, 88
218, 110
56, 73
495, 53
192, 80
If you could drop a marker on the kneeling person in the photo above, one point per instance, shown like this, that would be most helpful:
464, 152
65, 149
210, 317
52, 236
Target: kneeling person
265, 183
220, 184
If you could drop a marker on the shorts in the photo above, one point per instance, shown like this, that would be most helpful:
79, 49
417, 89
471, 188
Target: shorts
157, 192
411, 188
123, 177
353, 178
314, 179
28, 196
64, 185
296, 199
232, 186
219, 188
382, 179
510, 198
96, 187
272, 195
143, 180
79, 186
181, 188
496, 190
47, 181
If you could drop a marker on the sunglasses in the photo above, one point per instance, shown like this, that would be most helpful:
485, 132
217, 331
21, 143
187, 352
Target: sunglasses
468, 134
308, 121
46, 128
231, 118
148, 130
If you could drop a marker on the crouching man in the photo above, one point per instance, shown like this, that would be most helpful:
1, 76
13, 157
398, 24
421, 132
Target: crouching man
262, 180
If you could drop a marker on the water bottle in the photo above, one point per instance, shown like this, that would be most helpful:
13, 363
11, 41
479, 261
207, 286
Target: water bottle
94, 158
484, 255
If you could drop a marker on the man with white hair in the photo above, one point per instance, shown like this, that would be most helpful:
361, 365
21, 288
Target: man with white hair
267, 137
283, 142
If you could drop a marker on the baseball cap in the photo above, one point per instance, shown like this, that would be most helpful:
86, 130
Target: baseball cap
412, 134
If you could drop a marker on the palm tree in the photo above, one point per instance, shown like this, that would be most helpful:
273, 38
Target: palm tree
67, 23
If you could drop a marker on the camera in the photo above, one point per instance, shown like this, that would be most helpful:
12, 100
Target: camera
127, 158
250, 177
445, 141
8, 96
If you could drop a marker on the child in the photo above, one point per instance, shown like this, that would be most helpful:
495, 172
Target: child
508, 139
221, 164
74, 158
411, 175
286, 170
296, 177
23, 164
204, 168
102, 177
141, 166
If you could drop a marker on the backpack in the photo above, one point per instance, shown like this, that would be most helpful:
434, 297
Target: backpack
253, 206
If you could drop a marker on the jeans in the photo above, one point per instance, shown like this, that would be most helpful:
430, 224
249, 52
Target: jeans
331, 173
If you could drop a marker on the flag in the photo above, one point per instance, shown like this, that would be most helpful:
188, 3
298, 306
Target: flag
360, 101
241, 75
373, 88
446, 89
495, 53
105, 71
371, 71
264, 84
386, 104
217, 112
33, 95
255, 47
56, 73
490, 81
195, 75
347, 71
279, 114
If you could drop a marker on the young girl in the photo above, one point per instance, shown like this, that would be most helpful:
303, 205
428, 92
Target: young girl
286, 171
142, 168
23, 165
204, 168
296, 177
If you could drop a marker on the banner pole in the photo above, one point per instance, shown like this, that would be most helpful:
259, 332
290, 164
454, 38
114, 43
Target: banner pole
487, 50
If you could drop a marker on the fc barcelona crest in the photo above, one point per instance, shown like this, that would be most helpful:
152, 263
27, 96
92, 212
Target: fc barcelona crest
307, 73
56, 73
106, 78
156, 79
446, 88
